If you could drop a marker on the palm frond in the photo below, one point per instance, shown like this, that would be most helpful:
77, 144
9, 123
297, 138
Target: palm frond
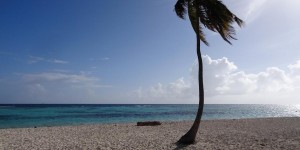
218, 18
180, 8
194, 19
202, 36
239, 21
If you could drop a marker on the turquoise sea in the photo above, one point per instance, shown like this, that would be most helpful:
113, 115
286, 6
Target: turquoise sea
37, 115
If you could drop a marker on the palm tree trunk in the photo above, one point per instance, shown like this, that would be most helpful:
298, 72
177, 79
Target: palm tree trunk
190, 136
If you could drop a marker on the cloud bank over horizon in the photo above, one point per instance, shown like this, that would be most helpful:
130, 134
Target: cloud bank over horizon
51, 87
225, 83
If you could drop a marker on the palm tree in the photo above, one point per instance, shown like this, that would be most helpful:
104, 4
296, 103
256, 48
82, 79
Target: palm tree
213, 15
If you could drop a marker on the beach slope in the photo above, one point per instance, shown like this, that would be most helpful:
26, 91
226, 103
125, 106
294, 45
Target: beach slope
267, 133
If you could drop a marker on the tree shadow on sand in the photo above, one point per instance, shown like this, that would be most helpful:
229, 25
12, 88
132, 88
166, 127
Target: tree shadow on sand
180, 146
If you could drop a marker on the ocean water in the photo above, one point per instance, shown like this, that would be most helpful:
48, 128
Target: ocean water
31, 115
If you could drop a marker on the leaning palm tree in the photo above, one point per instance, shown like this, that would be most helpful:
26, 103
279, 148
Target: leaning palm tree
213, 15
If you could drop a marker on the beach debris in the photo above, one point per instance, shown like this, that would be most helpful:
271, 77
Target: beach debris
149, 123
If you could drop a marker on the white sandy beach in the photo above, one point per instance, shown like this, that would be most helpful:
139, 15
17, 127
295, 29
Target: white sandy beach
270, 133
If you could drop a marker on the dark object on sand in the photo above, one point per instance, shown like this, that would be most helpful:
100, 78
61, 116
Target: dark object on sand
148, 123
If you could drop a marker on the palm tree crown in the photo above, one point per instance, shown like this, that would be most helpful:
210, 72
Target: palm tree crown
212, 14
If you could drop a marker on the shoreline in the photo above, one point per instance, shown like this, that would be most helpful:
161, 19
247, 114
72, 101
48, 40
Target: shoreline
134, 122
250, 133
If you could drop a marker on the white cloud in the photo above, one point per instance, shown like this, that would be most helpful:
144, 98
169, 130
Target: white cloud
254, 9
53, 87
173, 92
36, 59
56, 61
101, 59
247, 10
57, 77
295, 68
224, 83
105, 58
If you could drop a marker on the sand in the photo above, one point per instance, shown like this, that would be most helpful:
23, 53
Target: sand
268, 133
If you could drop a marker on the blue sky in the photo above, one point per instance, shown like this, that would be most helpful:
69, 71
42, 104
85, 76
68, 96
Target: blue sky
140, 52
